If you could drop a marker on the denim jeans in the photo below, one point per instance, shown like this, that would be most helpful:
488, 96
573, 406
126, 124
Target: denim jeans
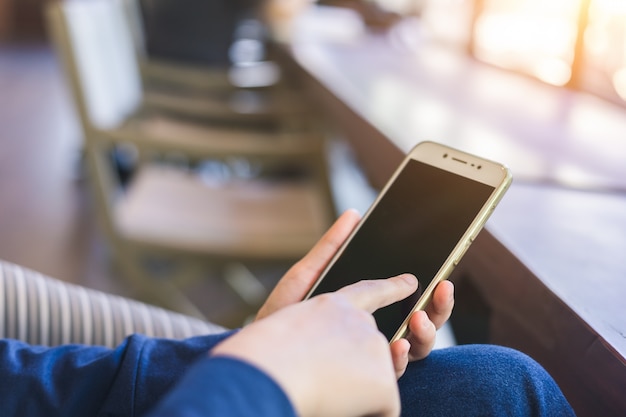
480, 380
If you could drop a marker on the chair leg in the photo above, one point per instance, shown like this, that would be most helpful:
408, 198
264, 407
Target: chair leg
158, 291
245, 284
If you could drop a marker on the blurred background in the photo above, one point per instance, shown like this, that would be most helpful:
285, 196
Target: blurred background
49, 217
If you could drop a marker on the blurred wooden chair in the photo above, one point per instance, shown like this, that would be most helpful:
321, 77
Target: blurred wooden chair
260, 85
259, 75
167, 214
91, 37
103, 26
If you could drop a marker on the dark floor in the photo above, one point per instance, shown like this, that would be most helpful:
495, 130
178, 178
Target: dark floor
46, 220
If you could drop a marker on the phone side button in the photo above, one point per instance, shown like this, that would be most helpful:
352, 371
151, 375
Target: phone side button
460, 255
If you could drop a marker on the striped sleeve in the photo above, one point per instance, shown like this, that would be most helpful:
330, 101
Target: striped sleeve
43, 311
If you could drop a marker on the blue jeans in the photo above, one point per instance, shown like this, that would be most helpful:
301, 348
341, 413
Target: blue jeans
480, 380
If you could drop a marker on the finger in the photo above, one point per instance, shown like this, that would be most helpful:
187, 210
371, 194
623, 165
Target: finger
300, 277
309, 268
440, 307
400, 356
372, 294
422, 335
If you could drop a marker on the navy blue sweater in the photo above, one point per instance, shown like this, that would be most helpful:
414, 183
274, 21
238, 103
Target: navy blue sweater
142, 376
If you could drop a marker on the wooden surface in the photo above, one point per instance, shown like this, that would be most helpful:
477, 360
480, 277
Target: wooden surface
244, 220
411, 91
551, 273
549, 269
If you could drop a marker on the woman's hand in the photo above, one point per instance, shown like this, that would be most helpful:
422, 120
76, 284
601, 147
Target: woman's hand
423, 327
326, 352
301, 276
298, 280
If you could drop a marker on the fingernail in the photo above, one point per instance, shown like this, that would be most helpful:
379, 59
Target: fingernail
451, 295
424, 321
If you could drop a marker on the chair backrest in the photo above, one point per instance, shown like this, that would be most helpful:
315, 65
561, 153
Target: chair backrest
98, 51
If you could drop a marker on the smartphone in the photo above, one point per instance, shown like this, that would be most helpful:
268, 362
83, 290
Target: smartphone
422, 222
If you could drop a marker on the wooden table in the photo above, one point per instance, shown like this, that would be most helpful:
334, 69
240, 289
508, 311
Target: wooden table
548, 274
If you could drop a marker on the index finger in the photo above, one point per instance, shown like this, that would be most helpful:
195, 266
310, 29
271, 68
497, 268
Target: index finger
372, 294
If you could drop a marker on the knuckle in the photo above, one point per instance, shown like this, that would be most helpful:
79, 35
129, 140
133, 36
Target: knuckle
366, 317
301, 268
326, 298
365, 284
331, 300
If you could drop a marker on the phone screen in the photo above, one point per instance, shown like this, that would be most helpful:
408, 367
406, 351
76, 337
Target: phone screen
413, 228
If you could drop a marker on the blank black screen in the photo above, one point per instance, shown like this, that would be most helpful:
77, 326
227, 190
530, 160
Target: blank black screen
414, 228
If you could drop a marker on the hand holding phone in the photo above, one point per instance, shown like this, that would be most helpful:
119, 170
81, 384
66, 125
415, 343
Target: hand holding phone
422, 223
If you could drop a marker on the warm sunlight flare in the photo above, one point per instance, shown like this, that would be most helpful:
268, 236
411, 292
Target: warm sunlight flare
531, 36
619, 82
605, 42
576, 43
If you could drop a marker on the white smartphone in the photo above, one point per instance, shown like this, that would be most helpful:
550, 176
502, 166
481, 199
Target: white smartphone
422, 222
